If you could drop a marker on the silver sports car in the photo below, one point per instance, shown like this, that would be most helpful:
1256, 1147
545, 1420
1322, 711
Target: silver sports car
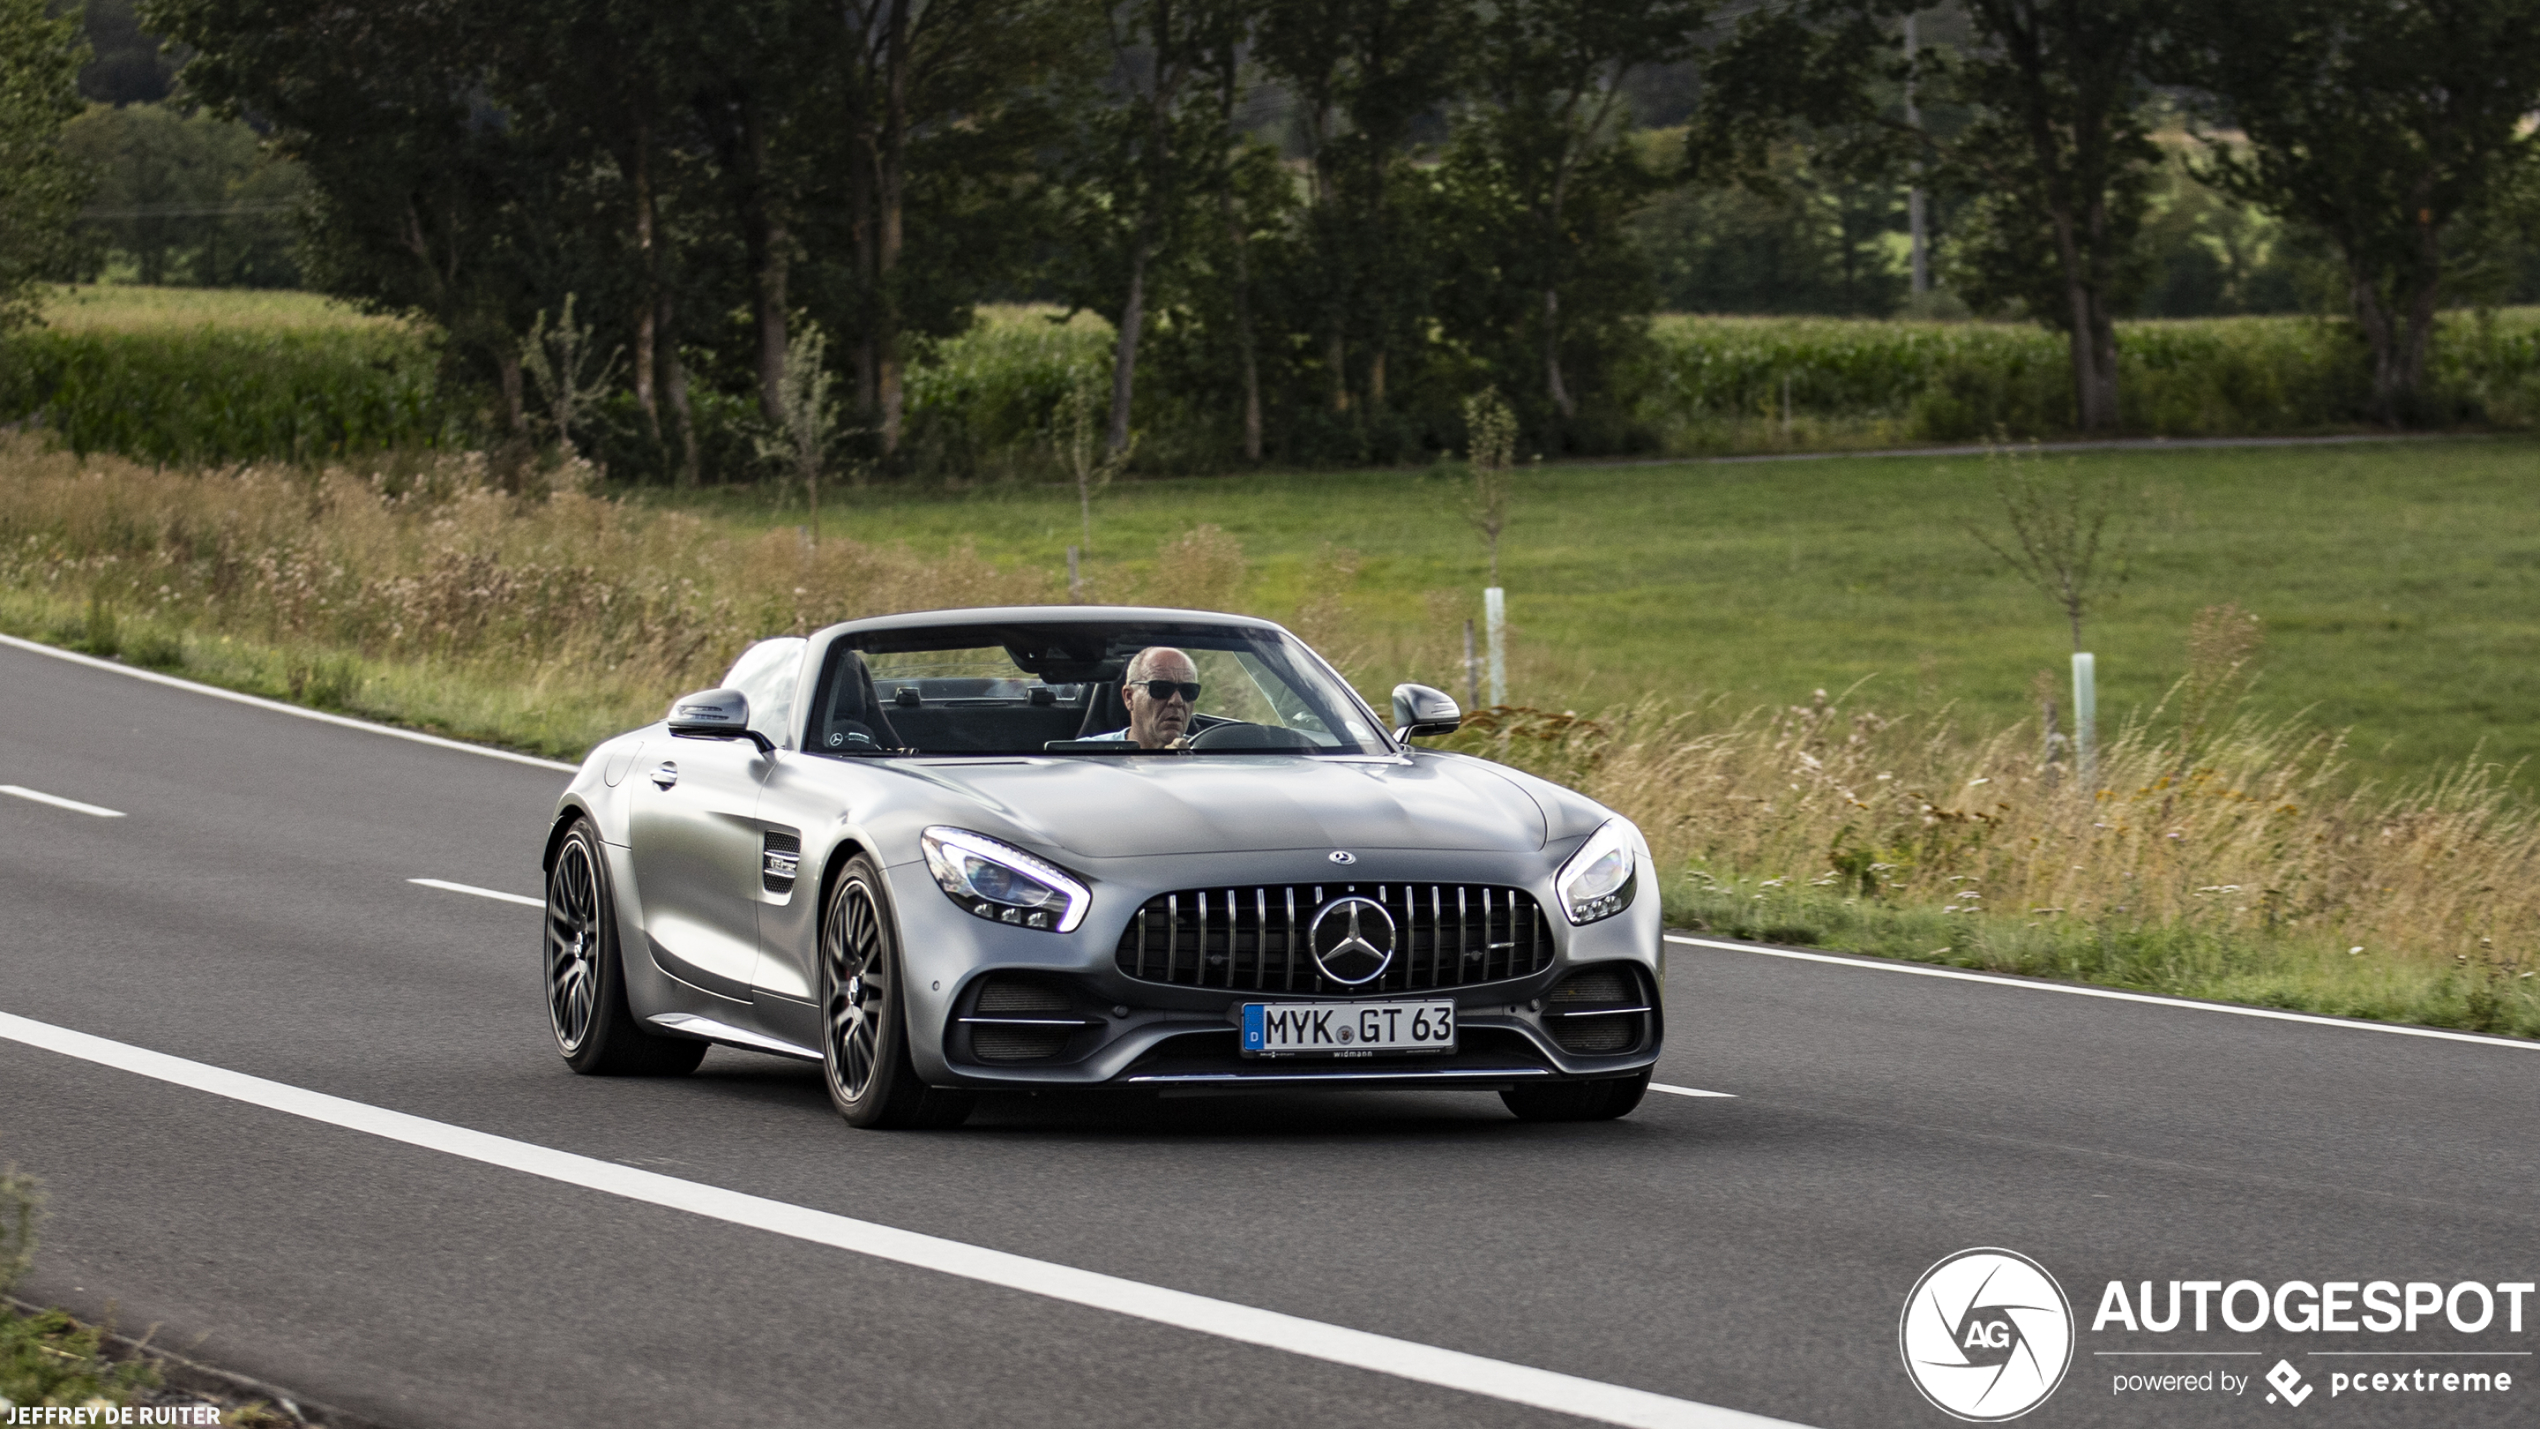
1091, 847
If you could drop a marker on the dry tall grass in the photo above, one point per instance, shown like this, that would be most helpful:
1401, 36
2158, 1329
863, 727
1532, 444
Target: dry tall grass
2197, 860
583, 614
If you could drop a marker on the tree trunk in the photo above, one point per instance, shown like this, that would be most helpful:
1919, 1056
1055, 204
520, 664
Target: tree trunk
674, 384
1243, 336
890, 190
2094, 335
647, 316
1553, 385
507, 372
1124, 351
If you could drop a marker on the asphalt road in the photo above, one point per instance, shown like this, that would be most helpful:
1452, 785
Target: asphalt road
252, 911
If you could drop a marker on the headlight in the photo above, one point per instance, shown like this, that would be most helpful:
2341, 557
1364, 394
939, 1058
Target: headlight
1599, 880
1002, 883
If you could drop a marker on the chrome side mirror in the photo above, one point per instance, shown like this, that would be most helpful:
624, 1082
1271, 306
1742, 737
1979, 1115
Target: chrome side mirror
715, 714
1418, 710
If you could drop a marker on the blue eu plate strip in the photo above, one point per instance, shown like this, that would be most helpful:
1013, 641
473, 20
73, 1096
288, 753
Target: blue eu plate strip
1252, 1026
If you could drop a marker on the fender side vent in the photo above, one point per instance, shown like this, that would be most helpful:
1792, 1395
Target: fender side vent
780, 859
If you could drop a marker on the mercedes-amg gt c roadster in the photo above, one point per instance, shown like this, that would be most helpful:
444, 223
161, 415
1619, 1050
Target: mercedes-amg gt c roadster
1091, 847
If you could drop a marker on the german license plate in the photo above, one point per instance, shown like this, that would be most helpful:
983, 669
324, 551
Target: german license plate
1347, 1029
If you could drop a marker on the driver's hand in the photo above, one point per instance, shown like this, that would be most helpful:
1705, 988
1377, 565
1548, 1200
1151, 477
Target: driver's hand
1179, 741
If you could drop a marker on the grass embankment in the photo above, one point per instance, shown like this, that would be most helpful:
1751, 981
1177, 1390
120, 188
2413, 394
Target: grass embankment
2394, 580
48, 1358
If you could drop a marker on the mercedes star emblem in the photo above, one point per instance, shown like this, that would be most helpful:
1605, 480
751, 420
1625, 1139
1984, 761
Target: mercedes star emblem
1352, 940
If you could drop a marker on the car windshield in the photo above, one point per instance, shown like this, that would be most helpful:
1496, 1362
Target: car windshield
1056, 688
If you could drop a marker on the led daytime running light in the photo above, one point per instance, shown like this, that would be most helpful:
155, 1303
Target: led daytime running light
1599, 880
957, 857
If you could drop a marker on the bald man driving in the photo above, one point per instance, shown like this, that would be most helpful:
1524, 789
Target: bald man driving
1159, 688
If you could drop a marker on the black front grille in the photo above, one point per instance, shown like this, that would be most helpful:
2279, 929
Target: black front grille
1256, 939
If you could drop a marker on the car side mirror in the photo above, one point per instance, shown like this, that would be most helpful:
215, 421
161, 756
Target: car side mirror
715, 714
1419, 709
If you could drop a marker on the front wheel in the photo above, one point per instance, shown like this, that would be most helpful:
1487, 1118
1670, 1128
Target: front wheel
1578, 1101
586, 974
864, 1018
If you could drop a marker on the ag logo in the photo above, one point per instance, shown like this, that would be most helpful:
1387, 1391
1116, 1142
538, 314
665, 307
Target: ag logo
1986, 1335
1352, 940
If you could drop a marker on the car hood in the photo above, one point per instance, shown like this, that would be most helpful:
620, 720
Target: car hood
1112, 807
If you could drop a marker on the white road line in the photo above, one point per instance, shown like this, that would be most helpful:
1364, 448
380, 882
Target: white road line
58, 802
1688, 1091
494, 893
278, 707
2111, 994
1359, 1349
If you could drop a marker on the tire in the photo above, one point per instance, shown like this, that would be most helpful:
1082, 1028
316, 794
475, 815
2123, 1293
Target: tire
585, 975
864, 1057
1578, 1101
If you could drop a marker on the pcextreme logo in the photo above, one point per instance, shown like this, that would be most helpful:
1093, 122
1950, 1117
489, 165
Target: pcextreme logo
1986, 1335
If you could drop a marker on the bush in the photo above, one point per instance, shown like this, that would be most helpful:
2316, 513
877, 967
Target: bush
208, 396
1737, 383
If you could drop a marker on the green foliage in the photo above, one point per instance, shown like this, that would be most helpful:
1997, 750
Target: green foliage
185, 197
1714, 382
2399, 130
209, 396
41, 188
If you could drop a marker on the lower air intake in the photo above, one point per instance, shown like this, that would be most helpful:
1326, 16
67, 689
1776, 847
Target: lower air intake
1598, 1012
1017, 1044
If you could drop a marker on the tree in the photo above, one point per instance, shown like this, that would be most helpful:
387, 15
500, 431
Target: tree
1145, 156
2059, 532
425, 199
40, 188
2397, 127
2057, 156
1362, 73
1544, 119
938, 101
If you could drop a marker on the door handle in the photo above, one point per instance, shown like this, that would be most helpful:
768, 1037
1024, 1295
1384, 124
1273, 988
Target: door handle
665, 774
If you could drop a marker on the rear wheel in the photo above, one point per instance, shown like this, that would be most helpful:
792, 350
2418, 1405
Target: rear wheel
1578, 1101
864, 1019
586, 976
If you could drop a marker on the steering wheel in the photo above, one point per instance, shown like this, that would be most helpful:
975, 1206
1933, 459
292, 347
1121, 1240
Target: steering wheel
1238, 736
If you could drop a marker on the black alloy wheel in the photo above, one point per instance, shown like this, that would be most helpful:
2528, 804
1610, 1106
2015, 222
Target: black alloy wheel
1578, 1101
596, 1031
864, 1022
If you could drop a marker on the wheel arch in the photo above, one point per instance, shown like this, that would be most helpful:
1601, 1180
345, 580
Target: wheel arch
841, 853
571, 809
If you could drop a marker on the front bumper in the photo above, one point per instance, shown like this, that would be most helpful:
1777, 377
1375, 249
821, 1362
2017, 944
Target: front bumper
1116, 1030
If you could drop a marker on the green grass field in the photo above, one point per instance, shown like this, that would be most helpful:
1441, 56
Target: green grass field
2397, 580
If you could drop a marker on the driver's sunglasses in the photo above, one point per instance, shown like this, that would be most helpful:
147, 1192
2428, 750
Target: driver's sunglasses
1162, 690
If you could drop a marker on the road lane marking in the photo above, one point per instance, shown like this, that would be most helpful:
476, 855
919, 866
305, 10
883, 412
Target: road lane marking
278, 707
1314, 1339
1688, 1091
58, 802
2109, 993
497, 894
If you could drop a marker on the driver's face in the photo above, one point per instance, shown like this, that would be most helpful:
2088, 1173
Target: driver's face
1155, 723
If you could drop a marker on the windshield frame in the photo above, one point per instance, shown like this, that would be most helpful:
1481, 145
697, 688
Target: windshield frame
1081, 647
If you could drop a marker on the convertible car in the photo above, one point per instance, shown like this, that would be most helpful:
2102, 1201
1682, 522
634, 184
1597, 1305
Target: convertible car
931, 853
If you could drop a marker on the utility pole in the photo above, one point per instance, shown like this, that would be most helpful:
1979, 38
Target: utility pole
1914, 194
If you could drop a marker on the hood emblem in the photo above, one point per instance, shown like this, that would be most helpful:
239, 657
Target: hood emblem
1352, 940
1342, 855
